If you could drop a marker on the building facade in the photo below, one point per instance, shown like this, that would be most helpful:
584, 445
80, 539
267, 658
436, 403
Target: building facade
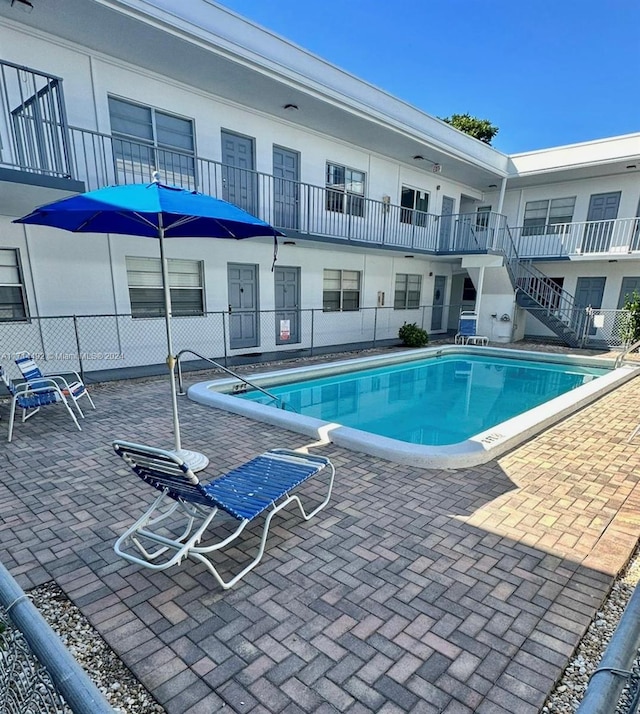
390, 215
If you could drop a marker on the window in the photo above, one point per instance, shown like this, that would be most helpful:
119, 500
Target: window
13, 300
144, 276
146, 139
341, 290
345, 190
547, 216
407, 292
482, 216
415, 205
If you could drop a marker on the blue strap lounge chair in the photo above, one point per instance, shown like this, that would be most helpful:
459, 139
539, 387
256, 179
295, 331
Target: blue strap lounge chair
260, 486
70, 384
30, 398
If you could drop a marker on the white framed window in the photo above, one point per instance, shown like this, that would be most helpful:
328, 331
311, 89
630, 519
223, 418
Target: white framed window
547, 216
345, 190
483, 214
415, 205
407, 291
147, 139
144, 277
13, 298
341, 290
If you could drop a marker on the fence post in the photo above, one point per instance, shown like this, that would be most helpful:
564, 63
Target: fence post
312, 329
75, 329
375, 325
586, 325
224, 338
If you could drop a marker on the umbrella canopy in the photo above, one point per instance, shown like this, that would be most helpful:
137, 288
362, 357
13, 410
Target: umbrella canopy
154, 211
150, 210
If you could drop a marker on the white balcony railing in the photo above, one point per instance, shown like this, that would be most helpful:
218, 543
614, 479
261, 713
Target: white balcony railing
583, 238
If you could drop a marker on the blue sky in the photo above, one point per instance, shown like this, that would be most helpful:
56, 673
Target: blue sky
546, 72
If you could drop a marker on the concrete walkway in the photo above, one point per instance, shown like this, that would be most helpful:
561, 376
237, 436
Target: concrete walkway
414, 591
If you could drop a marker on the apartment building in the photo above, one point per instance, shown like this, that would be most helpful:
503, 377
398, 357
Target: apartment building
390, 214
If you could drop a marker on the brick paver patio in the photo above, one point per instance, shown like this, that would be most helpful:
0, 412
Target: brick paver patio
414, 591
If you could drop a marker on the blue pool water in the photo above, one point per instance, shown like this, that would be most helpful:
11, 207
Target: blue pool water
434, 401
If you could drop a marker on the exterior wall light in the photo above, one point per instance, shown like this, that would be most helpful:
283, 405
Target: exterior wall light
24, 5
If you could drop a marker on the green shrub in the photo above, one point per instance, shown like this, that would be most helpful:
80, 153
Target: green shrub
413, 336
630, 328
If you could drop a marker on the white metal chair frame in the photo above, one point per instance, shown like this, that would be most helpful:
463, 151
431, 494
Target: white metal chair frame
164, 470
30, 398
73, 388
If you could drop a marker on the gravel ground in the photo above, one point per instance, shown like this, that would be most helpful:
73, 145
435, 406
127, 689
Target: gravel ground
121, 689
570, 689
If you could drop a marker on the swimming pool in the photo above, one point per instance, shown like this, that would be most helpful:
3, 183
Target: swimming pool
440, 407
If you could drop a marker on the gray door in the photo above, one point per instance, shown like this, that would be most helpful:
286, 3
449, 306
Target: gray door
439, 285
243, 305
286, 189
287, 302
239, 180
589, 292
603, 208
446, 222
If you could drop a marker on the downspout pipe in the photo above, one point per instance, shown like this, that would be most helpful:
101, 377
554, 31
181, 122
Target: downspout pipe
503, 190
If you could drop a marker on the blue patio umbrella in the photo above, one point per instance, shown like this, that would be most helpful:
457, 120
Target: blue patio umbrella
154, 211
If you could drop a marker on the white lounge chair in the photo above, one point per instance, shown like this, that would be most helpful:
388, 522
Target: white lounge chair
260, 485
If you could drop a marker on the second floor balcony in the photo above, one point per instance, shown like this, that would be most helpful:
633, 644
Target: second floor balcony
611, 239
36, 141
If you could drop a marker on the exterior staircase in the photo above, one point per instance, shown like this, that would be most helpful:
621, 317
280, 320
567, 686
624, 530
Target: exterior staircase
553, 306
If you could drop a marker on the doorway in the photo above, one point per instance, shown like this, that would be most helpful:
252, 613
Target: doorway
287, 302
239, 180
286, 189
242, 282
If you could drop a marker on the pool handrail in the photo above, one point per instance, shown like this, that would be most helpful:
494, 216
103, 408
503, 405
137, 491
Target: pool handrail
181, 392
628, 350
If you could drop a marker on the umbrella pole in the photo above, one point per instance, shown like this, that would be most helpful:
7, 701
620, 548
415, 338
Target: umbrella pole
195, 460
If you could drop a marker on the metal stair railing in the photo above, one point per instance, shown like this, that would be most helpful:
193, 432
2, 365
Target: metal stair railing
628, 350
557, 304
239, 377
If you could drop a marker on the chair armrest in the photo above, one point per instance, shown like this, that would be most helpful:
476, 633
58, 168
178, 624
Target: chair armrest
65, 378
42, 384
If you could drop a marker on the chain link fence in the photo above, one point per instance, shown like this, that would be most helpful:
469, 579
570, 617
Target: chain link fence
100, 344
615, 684
25, 685
596, 328
38, 675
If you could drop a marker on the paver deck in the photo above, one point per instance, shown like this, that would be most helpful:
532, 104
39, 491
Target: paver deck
413, 591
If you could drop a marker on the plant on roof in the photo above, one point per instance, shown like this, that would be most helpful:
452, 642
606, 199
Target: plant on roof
412, 335
481, 129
